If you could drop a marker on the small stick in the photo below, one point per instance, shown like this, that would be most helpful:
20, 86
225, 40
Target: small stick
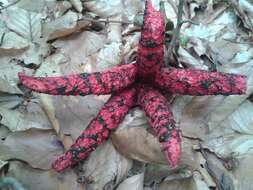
104, 20
176, 32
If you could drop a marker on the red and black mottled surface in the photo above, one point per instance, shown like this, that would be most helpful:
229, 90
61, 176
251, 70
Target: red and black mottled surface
83, 84
161, 119
99, 129
133, 84
198, 83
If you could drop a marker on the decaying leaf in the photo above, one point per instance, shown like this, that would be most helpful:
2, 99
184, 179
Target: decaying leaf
77, 4
40, 180
134, 141
63, 26
20, 120
106, 167
9, 45
27, 24
134, 182
37, 148
105, 8
6, 87
85, 45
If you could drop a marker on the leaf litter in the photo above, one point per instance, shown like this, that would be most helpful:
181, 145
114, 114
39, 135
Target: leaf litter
53, 38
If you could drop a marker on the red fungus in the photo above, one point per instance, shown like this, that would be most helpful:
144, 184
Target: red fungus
131, 83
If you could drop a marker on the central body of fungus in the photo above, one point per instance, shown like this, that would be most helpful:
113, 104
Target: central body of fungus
136, 84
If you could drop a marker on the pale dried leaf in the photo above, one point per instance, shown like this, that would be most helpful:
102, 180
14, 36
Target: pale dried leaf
34, 6
59, 8
134, 183
109, 56
37, 148
24, 23
231, 145
156, 173
60, 27
243, 174
4, 132
10, 101
131, 8
51, 65
75, 113
198, 182
43, 180
84, 45
21, 120
6, 87
209, 32
105, 8
244, 9
36, 53
189, 60
12, 42
241, 120
216, 168
136, 143
77, 4
106, 167
183, 184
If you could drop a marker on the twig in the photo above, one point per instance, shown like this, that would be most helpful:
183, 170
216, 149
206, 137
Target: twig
7, 6
188, 21
176, 32
104, 20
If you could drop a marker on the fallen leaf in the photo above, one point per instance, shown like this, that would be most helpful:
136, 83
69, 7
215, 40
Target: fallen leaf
37, 148
20, 120
105, 8
62, 26
12, 42
24, 23
77, 4
85, 45
40, 180
106, 167
6, 87
134, 183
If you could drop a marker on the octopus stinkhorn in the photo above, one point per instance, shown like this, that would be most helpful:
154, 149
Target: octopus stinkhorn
143, 84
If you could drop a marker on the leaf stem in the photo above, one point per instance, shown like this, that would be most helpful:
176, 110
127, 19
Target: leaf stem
176, 32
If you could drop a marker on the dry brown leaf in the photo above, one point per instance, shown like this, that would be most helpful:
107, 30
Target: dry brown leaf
222, 177
4, 132
74, 114
243, 173
84, 45
105, 8
62, 26
23, 119
36, 147
77, 4
37, 179
106, 167
134, 183
137, 143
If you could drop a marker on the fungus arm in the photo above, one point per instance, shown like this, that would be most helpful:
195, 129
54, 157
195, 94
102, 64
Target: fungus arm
99, 129
161, 119
83, 84
198, 82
